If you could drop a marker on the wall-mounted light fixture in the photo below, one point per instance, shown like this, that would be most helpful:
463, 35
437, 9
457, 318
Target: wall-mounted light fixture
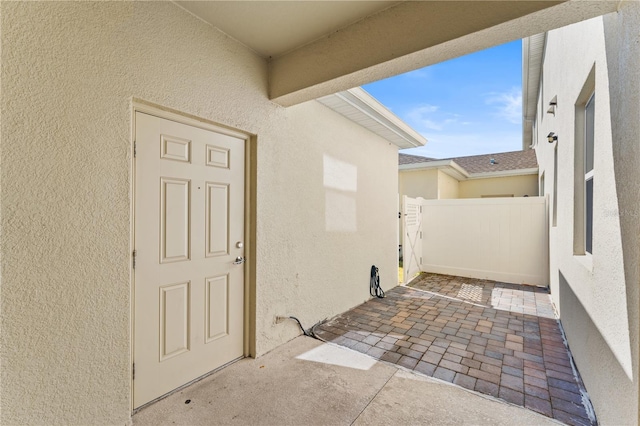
552, 137
552, 106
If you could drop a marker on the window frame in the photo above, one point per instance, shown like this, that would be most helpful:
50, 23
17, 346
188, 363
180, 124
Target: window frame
589, 138
580, 175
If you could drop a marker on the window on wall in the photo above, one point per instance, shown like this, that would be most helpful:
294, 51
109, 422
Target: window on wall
583, 167
589, 115
555, 186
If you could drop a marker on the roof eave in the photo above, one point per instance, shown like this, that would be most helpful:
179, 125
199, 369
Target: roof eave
504, 173
532, 56
448, 167
363, 109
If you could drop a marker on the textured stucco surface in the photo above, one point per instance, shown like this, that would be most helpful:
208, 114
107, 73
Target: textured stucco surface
434, 184
518, 186
419, 183
448, 187
69, 73
413, 35
598, 300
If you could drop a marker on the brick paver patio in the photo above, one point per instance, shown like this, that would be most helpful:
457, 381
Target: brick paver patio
498, 339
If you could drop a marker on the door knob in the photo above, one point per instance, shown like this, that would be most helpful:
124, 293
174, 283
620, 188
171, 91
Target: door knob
239, 244
239, 260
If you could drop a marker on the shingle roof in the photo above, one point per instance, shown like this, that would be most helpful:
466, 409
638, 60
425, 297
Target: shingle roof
412, 159
515, 160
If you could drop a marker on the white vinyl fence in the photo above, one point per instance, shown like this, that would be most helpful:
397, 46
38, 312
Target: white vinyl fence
502, 239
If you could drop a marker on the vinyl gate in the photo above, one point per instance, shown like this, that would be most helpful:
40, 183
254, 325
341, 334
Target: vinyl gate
502, 239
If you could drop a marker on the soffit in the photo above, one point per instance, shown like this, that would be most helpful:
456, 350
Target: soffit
532, 57
363, 109
273, 28
318, 48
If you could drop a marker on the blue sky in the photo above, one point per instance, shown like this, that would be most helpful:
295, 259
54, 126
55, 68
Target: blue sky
465, 106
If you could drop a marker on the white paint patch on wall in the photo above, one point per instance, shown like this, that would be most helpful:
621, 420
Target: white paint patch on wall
339, 175
341, 183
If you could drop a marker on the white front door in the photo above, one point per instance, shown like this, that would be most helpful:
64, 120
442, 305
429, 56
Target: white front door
189, 231
412, 238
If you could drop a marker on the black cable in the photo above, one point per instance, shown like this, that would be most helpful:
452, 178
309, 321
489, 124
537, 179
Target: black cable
301, 327
311, 331
374, 283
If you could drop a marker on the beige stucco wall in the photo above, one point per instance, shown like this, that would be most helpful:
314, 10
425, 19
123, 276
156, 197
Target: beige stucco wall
414, 184
517, 186
597, 295
418, 183
69, 72
448, 187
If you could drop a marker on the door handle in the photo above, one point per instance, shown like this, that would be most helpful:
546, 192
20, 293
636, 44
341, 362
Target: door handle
239, 260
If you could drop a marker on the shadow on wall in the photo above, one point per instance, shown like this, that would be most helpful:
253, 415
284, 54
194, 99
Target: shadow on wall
341, 183
610, 388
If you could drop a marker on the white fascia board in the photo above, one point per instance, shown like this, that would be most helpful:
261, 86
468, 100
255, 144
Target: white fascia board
504, 173
448, 167
532, 58
369, 112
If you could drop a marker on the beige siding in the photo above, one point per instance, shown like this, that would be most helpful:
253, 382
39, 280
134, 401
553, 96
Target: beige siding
517, 186
69, 73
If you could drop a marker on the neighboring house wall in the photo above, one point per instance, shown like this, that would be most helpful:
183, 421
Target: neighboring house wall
448, 187
597, 296
419, 183
414, 184
517, 186
69, 72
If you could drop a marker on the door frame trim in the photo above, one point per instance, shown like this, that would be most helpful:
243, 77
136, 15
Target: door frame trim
139, 105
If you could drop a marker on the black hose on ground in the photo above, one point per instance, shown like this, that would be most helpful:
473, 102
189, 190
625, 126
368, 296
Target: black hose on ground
374, 283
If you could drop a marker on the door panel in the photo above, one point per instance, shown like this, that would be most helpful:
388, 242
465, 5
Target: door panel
189, 217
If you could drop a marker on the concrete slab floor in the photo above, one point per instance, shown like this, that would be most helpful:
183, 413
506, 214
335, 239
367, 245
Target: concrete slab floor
307, 382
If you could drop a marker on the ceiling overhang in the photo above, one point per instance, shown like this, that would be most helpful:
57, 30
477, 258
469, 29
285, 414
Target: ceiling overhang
395, 39
413, 35
363, 109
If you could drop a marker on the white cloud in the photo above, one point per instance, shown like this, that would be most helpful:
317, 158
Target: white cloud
428, 117
508, 105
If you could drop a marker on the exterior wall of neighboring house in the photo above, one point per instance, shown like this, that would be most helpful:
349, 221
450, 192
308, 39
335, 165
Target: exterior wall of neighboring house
448, 187
69, 73
517, 186
597, 295
419, 183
